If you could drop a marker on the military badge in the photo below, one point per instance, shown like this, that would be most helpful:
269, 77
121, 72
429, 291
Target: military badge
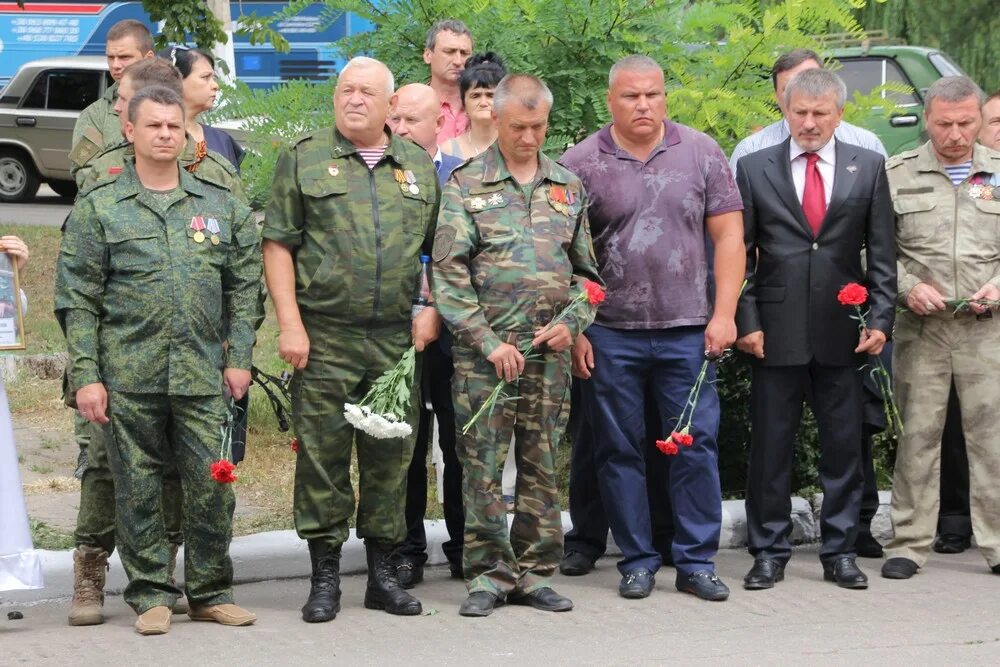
213, 228
114, 171
412, 182
332, 170
198, 224
976, 191
989, 192
496, 199
478, 203
559, 199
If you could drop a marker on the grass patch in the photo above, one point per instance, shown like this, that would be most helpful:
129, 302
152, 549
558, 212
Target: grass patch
44, 536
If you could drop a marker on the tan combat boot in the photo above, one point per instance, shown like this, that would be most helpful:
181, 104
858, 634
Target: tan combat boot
181, 606
90, 565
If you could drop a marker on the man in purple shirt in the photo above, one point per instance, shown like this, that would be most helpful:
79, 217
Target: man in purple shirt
657, 188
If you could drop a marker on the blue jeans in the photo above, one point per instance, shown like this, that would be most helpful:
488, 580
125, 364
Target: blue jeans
667, 362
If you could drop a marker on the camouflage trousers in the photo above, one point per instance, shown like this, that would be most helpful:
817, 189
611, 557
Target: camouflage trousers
524, 559
928, 353
95, 519
149, 434
342, 367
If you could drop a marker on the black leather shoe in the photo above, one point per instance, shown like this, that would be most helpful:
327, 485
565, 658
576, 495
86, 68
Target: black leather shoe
867, 546
949, 543
845, 572
383, 590
704, 584
408, 572
480, 603
544, 599
324, 587
575, 564
456, 571
764, 574
637, 584
899, 568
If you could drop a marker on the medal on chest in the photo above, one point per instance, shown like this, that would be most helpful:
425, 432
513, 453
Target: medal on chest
198, 225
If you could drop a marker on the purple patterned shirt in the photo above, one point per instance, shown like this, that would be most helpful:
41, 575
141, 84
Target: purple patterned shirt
648, 224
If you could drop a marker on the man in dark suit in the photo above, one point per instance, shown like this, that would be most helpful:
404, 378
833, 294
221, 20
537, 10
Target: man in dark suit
811, 205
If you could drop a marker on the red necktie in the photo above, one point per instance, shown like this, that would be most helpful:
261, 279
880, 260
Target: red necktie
813, 195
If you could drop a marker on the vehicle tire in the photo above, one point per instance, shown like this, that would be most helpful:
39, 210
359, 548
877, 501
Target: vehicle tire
65, 189
18, 178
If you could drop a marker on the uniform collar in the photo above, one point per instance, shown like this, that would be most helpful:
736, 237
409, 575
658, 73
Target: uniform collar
111, 94
342, 146
983, 160
128, 184
495, 167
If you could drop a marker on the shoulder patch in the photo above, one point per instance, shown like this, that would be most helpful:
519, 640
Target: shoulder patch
85, 150
894, 161
444, 238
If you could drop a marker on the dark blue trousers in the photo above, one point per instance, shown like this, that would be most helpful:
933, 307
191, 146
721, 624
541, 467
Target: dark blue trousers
667, 362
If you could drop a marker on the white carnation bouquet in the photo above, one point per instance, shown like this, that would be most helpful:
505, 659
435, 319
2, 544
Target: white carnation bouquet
382, 412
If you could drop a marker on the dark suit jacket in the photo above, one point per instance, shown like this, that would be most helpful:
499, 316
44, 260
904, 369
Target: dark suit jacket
793, 279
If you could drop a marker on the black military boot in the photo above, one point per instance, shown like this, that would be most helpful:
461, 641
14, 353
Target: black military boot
384, 590
324, 590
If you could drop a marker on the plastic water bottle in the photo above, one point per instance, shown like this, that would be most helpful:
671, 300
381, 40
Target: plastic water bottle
423, 296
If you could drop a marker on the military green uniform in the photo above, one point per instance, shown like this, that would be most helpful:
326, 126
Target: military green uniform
507, 260
948, 237
142, 303
96, 129
213, 168
356, 234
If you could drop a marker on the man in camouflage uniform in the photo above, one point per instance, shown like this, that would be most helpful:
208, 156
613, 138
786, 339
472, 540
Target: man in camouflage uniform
947, 217
98, 126
352, 209
150, 264
511, 251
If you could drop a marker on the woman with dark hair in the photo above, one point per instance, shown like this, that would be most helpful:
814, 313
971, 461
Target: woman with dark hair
197, 70
483, 71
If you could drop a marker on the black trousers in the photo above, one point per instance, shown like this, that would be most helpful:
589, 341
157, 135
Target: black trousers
589, 535
436, 387
954, 517
777, 396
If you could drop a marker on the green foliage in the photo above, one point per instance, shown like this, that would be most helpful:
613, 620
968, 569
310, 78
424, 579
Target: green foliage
273, 119
184, 19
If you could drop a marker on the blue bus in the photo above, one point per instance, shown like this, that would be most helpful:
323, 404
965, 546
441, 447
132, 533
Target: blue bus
44, 29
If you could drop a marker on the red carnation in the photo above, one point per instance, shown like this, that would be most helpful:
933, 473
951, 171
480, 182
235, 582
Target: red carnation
668, 447
222, 472
853, 294
294, 444
595, 293
685, 439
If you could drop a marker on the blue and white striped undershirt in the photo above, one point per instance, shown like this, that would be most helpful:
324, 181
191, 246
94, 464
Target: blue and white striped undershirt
958, 172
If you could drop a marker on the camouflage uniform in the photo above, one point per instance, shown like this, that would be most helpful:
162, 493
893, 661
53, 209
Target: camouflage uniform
507, 261
141, 303
356, 235
949, 238
97, 128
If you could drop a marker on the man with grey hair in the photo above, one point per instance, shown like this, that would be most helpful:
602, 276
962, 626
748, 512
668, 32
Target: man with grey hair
659, 191
447, 47
511, 253
352, 210
812, 204
947, 215
785, 67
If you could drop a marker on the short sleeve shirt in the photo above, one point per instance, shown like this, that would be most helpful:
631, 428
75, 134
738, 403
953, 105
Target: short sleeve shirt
648, 224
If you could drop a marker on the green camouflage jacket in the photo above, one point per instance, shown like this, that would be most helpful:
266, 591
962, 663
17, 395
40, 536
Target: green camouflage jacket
357, 234
142, 301
97, 128
213, 169
505, 264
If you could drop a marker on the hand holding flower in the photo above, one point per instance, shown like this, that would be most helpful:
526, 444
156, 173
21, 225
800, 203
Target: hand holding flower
987, 292
509, 363
557, 337
924, 299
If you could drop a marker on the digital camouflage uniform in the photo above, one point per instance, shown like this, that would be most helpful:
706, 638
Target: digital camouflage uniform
949, 238
506, 262
96, 129
356, 235
141, 303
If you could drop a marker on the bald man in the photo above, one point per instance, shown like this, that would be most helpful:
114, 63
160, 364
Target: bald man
415, 114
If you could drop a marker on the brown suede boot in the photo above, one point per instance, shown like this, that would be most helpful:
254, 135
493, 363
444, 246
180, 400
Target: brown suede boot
90, 565
181, 606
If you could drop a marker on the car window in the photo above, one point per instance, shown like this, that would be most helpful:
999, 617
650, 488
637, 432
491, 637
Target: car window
64, 90
866, 74
944, 65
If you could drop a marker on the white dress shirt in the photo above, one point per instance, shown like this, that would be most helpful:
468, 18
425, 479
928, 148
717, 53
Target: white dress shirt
826, 164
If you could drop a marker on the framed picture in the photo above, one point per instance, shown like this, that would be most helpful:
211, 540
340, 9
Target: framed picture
11, 307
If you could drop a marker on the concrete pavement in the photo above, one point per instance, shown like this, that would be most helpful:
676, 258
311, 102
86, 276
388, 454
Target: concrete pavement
945, 615
48, 209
